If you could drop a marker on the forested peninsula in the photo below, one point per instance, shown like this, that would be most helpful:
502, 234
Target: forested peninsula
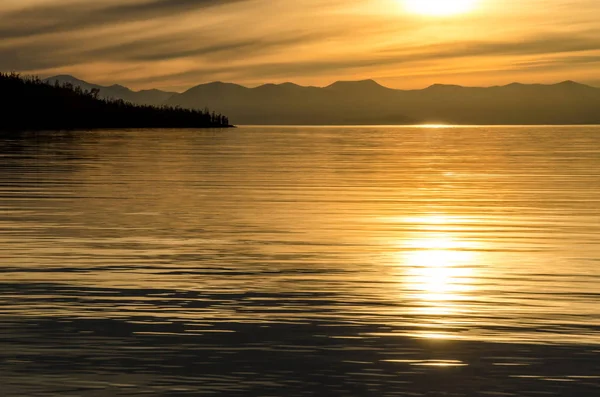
30, 104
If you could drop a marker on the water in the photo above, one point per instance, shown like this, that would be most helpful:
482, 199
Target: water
267, 261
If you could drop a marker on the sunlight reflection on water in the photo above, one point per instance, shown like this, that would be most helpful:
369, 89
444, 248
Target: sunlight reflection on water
439, 273
392, 261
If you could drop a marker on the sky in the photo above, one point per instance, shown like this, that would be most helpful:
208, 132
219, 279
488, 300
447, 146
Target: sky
177, 44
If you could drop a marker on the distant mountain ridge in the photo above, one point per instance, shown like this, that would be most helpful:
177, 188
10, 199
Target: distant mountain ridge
116, 91
368, 102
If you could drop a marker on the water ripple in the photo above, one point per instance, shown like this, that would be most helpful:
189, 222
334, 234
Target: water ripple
292, 261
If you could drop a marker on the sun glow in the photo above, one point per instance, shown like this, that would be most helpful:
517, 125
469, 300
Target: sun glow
439, 270
438, 277
438, 274
440, 7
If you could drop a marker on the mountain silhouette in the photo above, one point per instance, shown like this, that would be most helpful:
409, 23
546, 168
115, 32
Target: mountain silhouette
116, 91
363, 85
368, 102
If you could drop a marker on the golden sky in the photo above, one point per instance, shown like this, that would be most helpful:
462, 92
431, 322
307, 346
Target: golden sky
176, 44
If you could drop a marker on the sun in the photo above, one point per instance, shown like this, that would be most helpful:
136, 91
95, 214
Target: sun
440, 7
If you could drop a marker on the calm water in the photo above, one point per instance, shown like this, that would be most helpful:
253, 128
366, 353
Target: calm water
301, 261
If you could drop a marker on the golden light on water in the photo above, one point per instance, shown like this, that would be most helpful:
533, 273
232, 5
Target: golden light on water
439, 275
439, 269
435, 126
440, 7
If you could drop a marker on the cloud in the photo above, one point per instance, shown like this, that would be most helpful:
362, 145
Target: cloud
66, 16
176, 44
435, 54
183, 46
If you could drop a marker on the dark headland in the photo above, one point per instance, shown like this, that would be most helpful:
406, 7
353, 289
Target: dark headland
30, 104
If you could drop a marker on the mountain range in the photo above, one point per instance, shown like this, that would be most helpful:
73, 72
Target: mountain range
367, 102
144, 97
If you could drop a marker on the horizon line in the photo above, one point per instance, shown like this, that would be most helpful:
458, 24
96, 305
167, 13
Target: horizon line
432, 126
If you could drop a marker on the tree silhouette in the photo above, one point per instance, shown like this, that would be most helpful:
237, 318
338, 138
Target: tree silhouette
31, 104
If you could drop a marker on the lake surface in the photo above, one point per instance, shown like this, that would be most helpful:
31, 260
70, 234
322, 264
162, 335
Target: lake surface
268, 261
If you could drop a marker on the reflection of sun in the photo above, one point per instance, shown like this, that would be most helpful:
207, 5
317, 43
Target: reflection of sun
438, 269
438, 273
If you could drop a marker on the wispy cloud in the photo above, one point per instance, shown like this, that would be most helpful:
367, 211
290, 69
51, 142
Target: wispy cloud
66, 16
174, 44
